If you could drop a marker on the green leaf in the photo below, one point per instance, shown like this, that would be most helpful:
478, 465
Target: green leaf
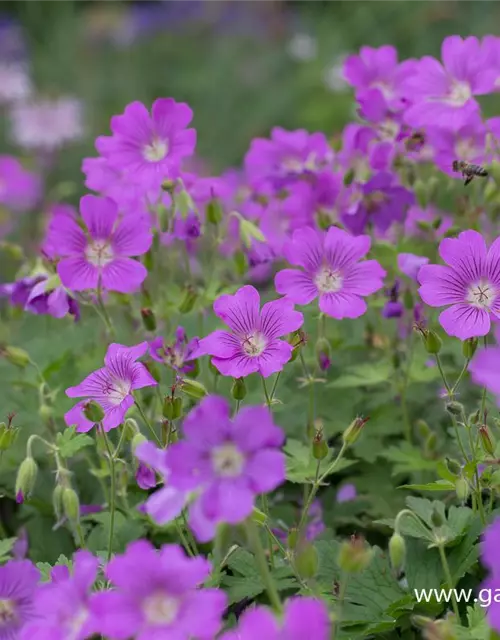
45, 568
364, 375
126, 529
301, 466
438, 485
406, 459
6, 547
70, 443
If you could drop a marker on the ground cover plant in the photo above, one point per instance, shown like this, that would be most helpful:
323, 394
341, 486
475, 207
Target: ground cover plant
270, 404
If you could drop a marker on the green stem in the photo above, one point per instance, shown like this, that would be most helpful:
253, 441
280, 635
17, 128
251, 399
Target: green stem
445, 381
189, 534
112, 505
265, 509
459, 439
256, 544
404, 389
483, 400
273, 390
449, 580
268, 399
104, 314
120, 442
147, 423
183, 538
461, 375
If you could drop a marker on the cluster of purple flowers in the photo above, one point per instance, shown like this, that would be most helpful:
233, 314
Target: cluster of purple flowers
150, 593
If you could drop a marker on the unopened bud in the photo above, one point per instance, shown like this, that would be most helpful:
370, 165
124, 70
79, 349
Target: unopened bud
453, 466
193, 388
188, 301
306, 560
249, 232
239, 390
430, 443
57, 501
184, 203
148, 319
353, 431
8, 435
354, 556
319, 445
71, 504
240, 263
423, 428
168, 408
131, 427
454, 408
168, 185
349, 177
486, 440
138, 439
397, 552
26, 477
93, 411
469, 347
214, 212
462, 489
292, 538
432, 342
45, 412
437, 518
474, 417
258, 516
323, 353
323, 220
14, 355
177, 408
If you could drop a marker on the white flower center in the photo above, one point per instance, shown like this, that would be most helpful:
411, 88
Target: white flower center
328, 280
160, 609
386, 89
254, 345
459, 94
75, 624
465, 149
7, 612
293, 165
227, 460
117, 391
481, 295
155, 151
99, 253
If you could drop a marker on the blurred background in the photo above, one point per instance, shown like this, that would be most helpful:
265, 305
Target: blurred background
244, 66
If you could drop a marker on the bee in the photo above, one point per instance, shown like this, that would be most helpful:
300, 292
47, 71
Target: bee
469, 171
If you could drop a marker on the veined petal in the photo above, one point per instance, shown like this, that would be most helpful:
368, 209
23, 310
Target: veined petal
77, 274
465, 321
279, 317
296, 285
124, 275
99, 214
239, 311
342, 305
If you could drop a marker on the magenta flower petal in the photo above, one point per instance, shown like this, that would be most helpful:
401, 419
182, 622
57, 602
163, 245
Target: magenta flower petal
75, 417
239, 311
132, 237
305, 249
279, 317
306, 618
99, 214
440, 285
342, 305
469, 246
220, 344
465, 321
254, 429
77, 274
276, 354
296, 285
266, 470
65, 234
485, 371
124, 275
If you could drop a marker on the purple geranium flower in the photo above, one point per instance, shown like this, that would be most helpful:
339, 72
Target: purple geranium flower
228, 461
111, 387
149, 147
41, 295
145, 476
157, 596
20, 190
103, 257
303, 618
286, 156
62, 606
253, 344
165, 503
442, 94
484, 367
409, 264
346, 493
18, 582
382, 202
180, 355
331, 271
470, 283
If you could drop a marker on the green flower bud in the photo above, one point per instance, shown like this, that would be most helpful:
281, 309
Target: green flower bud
184, 203
432, 342
193, 389
469, 347
430, 443
168, 408
148, 319
45, 412
319, 445
397, 552
323, 220
131, 427
474, 417
249, 232
353, 431
423, 428
437, 518
177, 408
239, 390
354, 556
57, 501
148, 259
349, 177
452, 232
187, 303
168, 185
8, 435
486, 440
93, 411
454, 408
138, 439
306, 560
71, 504
240, 263
453, 466
214, 212
26, 477
14, 355
292, 538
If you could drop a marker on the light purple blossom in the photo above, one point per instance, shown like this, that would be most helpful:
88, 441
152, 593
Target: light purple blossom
149, 147
20, 189
145, 477
331, 271
180, 355
62, 606
303, 618
111, 387
18, 582
227, 461
470, 283
41, 295
443, 94
156, 595
484, 367
102, 257
346, 493
409, 264
253, 344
